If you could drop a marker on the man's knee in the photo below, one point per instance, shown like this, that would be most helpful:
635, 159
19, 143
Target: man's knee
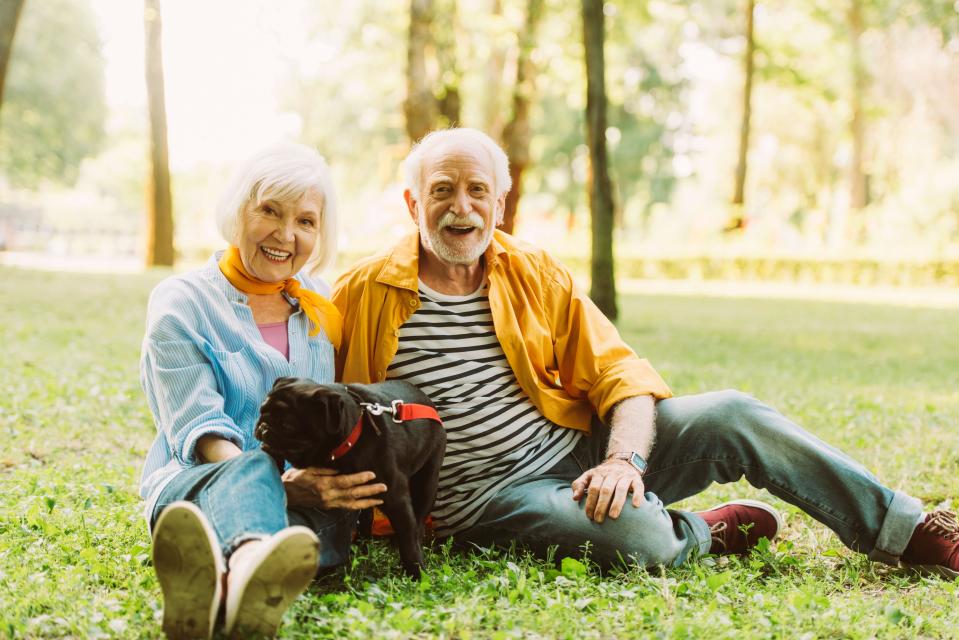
732, 404
643, 535
731, 411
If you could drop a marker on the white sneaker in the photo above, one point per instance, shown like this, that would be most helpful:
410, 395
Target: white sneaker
189, 567
267, 579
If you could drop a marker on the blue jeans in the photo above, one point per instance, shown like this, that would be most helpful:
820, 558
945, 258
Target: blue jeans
243, 498
701, 439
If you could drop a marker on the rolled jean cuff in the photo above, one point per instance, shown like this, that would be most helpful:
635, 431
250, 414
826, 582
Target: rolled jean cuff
228, 547
902, 516
697, 533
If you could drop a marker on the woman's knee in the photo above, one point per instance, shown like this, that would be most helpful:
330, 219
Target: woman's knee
249, 469
256, 461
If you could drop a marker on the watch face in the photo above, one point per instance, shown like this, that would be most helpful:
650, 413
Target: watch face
637, 461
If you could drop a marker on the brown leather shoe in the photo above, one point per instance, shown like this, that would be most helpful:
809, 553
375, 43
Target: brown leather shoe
934, 546
728, 521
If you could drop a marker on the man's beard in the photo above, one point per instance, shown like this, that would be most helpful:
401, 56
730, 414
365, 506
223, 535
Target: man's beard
447, 252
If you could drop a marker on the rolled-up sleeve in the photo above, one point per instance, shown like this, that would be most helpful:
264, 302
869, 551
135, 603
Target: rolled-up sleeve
182, 391
179, 379
592, 358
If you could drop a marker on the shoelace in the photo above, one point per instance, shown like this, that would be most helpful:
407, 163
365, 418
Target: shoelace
717, 533
943, 523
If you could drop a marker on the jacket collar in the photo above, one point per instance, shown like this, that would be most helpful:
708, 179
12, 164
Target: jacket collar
402, 265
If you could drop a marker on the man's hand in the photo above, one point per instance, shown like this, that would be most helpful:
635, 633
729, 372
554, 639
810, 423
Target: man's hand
606, 488
326, 489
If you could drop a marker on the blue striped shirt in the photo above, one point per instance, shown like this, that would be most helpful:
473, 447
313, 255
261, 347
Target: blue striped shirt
205, 368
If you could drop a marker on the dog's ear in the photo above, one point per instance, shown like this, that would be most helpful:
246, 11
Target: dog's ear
285, 381
334, 412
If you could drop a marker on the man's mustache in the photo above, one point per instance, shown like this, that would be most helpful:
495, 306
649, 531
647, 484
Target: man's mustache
450, 219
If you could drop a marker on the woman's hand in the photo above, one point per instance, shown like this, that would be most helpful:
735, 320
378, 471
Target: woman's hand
326, 489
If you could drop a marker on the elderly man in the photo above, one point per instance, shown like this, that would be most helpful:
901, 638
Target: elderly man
526, 372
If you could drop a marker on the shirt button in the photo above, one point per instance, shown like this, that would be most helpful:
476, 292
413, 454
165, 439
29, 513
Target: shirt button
379, 375
414, 302
396, 332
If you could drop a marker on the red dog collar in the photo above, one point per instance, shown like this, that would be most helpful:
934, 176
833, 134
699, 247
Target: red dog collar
401, 413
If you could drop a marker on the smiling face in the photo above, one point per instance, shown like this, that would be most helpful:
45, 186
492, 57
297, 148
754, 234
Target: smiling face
276, 238
456, 210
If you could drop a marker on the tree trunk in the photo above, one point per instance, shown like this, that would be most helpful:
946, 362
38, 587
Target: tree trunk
9, 17
492, 118
159, 201
447, 95
420, 106
603, 289
516, 133
738, 217
858, 195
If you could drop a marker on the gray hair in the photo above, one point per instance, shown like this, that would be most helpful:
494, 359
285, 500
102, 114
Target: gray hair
282, 172
413, 165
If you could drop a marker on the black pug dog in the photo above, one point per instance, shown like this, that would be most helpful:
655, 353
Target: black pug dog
353, 428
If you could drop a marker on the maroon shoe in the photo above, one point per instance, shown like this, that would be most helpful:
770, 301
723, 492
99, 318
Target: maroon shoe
728, 521
934, 546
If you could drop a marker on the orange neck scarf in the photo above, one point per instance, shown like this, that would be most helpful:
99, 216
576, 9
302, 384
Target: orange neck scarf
320, 311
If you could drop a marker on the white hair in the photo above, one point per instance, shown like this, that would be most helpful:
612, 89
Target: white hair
413, 165
282, 172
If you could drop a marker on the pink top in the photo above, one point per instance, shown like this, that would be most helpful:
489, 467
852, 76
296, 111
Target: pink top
275, 335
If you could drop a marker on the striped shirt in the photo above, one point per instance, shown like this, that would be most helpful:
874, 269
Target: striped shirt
495, 435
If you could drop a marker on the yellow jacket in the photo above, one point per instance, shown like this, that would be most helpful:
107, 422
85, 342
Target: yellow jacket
567, 357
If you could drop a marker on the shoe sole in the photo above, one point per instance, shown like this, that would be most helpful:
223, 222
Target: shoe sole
934, 570
186, 559
283, 574
759, 505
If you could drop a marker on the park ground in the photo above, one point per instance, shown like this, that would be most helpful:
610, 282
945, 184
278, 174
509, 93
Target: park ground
877, 380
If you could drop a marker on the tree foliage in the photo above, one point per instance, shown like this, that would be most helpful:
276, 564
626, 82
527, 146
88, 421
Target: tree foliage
54, 105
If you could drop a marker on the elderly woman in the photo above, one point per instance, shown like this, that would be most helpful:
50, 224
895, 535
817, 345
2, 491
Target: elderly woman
216, 339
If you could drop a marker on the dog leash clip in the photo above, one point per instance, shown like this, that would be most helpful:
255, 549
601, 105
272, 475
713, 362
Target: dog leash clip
375, 409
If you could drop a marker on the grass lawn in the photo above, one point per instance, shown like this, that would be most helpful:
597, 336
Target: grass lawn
880, 382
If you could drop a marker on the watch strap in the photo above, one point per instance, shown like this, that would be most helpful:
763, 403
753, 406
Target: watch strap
639, 462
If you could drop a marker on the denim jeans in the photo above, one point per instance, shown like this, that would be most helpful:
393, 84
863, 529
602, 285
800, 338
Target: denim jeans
243, 498
713, 437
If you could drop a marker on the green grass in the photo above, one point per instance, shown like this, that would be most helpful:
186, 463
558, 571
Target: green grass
880, 382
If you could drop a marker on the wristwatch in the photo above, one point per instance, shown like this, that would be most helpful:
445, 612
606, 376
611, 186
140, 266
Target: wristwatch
633, 458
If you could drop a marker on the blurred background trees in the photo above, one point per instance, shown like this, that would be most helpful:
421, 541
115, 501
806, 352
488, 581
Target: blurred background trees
810, 129
54, 108
9, 19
